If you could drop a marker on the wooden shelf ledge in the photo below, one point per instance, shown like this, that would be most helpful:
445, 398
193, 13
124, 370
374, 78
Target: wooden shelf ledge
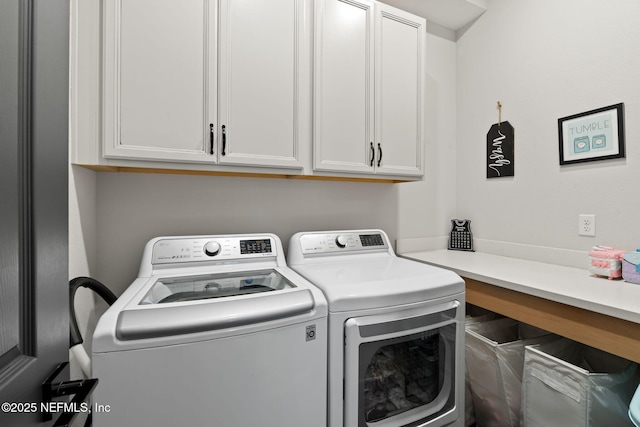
616, 336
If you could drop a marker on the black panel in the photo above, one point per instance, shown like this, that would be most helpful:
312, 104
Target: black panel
371, 240
258, 246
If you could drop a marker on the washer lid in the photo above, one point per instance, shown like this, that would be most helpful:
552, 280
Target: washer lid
189, 304
221, 285
379, 282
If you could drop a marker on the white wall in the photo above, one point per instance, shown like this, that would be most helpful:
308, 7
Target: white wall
425, 207
113, 215
133, 208
543, 60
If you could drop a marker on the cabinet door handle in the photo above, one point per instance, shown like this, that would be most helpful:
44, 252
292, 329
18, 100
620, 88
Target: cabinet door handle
379, 154
373, 155
224, 140
211, 138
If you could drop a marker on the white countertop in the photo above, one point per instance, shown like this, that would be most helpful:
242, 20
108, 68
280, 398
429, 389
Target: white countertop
571, 286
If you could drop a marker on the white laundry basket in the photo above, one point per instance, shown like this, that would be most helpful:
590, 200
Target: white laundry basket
495, 359
474, 314
570, 384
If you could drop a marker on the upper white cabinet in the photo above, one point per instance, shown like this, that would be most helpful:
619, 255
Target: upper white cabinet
399, 77
159, 92
221, 82
368, 89
264, 90
343, 86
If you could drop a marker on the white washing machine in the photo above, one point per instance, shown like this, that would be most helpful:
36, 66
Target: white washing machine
396, 331
215, 331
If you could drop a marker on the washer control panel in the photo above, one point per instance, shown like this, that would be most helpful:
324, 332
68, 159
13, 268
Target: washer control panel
178, 250
340, 242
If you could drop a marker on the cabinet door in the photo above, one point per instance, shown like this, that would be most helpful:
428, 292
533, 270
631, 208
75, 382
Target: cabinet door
264, 81
159, 79
343, 87
400, 39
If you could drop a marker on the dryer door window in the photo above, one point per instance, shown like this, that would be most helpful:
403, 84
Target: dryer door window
399, 371
401, 374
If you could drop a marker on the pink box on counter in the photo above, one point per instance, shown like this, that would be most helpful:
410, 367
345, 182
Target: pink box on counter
606, 261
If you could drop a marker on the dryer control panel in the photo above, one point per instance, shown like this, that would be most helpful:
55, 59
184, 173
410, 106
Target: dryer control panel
340, 242
211, 248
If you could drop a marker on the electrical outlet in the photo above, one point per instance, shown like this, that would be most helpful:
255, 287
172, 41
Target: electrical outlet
586, 225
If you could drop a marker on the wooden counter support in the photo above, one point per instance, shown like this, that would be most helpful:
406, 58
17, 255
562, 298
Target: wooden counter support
611, 334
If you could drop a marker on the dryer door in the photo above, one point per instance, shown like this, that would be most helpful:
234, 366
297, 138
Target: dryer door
400, 368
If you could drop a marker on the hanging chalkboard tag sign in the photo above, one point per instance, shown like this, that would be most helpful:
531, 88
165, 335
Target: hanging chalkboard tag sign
500, 150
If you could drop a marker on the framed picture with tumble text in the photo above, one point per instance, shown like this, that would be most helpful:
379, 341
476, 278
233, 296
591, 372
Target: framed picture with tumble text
592, 135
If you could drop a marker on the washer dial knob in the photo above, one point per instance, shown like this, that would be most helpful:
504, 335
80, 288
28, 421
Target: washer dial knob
341, 241
212, 248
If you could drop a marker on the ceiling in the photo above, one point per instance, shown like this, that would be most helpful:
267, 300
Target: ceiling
452, 14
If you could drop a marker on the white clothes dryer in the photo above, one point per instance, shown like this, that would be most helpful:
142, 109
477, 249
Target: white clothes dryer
396, 331
215, 331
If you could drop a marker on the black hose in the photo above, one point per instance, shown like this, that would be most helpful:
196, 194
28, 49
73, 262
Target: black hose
97, 287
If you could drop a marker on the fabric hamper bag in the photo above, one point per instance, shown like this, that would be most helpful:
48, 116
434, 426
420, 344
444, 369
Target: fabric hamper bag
495, 360
474, 314
570, 384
